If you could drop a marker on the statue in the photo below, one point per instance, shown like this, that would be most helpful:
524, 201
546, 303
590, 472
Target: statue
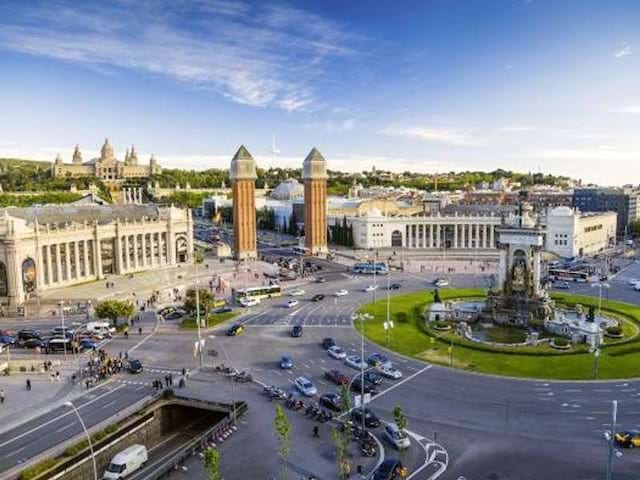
591, 315
436, 296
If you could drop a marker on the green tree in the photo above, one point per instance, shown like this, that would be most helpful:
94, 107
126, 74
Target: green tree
634, 229
401, 421
212, 464
341, 438
283, 430
115, 309
207, 300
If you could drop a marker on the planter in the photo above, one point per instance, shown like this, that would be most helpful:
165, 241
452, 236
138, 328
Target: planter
566, 346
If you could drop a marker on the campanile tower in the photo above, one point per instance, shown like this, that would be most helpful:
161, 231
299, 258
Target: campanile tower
243, 177
314, 174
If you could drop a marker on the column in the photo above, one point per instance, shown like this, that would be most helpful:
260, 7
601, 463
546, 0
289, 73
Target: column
58, 264
134, 246
155, 252
455, 235
127, 253
430, 236
485, 238
438, 236
144, 249
463, 234
76, 259
85, 259
49, 269
492, 242
97, 255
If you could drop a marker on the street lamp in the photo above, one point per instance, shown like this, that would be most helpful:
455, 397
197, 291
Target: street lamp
64, 332
84, 428
362, 317
600, 286
233, 383
614, 416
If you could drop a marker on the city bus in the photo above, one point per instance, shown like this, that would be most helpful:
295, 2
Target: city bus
365, 267
267, 291
560, 275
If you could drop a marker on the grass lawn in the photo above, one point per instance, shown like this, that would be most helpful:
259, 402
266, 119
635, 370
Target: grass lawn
410, 338
212, 320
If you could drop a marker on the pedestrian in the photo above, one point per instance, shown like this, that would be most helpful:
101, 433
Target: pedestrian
1, 396
316, 431
166, 380
184, 371
52, 376
57, 376
171, 379
28, 385
139, 330
181, 383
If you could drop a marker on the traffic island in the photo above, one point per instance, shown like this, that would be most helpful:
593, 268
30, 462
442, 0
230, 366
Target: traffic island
412, 336
171, 428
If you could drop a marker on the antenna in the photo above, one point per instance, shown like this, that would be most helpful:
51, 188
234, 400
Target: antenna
274, 150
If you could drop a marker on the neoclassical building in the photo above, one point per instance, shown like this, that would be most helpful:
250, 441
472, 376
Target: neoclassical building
375, 230
45, 247
107, 167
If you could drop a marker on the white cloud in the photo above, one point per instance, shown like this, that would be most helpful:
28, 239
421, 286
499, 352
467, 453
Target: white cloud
623, 51
516, 128
255, 54
450, 136
332, 126
633, 109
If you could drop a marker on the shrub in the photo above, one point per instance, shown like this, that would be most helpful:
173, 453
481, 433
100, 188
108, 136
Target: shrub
614, 330
37, 469
560, 342
402, 317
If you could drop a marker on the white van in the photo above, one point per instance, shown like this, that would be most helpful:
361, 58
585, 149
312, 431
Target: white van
100, 329
126, 462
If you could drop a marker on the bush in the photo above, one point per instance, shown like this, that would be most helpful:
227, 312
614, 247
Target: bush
37, 469
442, 324
615, 330
560, 342
402, 317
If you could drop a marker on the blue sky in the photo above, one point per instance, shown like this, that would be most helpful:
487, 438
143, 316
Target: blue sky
431, 85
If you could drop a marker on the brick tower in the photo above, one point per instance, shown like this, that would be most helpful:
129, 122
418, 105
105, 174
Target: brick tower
314, 174
243, 177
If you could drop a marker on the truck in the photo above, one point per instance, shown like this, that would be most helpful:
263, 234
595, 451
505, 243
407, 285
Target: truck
100, 329
126, 462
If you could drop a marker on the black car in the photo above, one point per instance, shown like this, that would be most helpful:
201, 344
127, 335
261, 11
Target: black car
33, 343
296, 331
390, 469
173, 316
327, 343
394, 286
373, 378
24, 335
356, 385
370, 418
331, 401
224, 309
235, 330
135, 366
317, 298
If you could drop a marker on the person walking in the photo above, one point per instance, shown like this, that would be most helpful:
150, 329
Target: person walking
28, 385
316, 431
139, 330
1, 396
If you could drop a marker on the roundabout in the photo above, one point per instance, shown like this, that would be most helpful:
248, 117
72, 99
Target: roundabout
503, 350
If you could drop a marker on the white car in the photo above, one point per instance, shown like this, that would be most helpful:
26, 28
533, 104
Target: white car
396, 437
633, 282
293, 303
390, 372
305, 387
337, 353
637, 287
441, 282
371, 288
342, 292
354, 361
249, 302
298, 292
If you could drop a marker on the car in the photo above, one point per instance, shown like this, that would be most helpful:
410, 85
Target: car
342, 292
394, 286
628, 438
317, 298
356, 385
354, 361
249, 302
332, 401
235, 330
371, 288
7, 339
337, 377
24, 335
173, 316
286, 362
305, 387
225, 309
327, 343
370, 418
135, 366
292, 303
633, 282
60, 331
296, 331
373, 377
390, 469
379, 360
390, 372
34, 343
298, 292
88, 344
441, 282
336, 352
561, 285
603, 278
637, 287
320, 280
396, 436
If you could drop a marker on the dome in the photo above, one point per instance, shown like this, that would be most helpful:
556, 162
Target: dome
106, 151
290, 189
373, 213
562, 212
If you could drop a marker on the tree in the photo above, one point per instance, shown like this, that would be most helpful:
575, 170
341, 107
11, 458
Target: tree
283, 430
212, 464
341, 438
115, 309
207, 299
401, 421
634, 229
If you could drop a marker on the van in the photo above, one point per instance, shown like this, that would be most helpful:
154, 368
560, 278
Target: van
59, 345
126, 462
100, 329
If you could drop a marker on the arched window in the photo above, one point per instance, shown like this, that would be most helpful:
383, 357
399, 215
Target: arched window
29, 275
396, 238
182, 249
3, 280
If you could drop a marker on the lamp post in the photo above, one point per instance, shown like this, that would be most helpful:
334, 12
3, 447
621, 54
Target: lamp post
614, 416
64, 332
84, 428
233, 387
362, 317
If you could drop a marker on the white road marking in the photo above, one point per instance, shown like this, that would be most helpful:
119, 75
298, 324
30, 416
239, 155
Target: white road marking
401, 382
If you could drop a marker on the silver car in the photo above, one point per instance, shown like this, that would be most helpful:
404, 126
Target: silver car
396, 437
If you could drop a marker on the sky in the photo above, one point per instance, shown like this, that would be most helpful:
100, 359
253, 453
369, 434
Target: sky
427, 86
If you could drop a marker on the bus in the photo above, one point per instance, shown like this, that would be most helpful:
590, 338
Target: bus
299, 250
365, 267
258, 292
557, 274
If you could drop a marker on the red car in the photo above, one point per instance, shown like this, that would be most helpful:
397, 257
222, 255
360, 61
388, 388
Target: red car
337, 377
